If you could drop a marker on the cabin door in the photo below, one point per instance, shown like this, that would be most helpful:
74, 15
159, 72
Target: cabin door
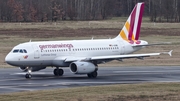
36, 52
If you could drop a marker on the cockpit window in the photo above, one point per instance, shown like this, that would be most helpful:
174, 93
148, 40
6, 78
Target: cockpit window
19, 51
24, 51
16, 51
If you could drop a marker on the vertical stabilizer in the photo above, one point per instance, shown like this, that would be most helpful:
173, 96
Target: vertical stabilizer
131, 30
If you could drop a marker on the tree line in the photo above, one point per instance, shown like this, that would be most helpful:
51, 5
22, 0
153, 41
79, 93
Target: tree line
54, 10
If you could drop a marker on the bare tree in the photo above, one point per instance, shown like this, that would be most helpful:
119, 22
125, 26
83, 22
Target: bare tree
46, 10
16, 10
57, 11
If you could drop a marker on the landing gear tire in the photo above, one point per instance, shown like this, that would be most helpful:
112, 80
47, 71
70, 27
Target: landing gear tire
28, 76
58, 72
93, 74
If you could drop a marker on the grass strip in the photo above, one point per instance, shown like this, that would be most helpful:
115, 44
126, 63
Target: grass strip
121, 92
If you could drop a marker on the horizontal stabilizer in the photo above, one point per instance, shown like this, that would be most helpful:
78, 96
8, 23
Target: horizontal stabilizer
164, 43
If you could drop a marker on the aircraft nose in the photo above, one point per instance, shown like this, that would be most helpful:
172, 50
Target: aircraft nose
8, 59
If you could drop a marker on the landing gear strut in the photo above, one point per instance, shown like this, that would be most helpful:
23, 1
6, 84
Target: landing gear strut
28, 74
58, 72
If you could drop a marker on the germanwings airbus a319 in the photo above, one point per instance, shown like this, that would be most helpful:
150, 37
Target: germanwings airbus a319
82, 56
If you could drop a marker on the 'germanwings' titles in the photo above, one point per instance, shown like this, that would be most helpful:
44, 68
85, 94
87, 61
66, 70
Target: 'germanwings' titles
82, 56
55, 46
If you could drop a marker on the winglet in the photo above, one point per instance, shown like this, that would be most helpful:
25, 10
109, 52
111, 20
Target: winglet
170, 53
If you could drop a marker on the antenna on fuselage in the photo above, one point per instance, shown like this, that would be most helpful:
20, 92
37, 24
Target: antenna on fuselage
30, 40
92, 38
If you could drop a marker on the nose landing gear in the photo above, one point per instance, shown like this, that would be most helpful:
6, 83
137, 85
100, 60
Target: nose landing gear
28, 74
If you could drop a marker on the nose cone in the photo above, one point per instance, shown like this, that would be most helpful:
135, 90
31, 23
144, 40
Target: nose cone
9, 59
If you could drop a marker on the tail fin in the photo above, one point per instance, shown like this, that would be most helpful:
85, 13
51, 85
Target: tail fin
130, 31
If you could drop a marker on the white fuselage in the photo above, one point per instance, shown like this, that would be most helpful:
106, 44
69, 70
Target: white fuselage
53, 53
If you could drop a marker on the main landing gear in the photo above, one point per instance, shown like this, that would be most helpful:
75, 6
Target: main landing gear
58, 72
93, 74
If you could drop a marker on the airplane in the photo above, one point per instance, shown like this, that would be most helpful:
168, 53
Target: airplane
82, 56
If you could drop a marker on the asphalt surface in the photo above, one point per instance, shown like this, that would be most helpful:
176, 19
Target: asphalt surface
13, 80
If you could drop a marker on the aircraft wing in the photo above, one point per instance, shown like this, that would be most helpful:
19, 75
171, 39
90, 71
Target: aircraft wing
139, 56
71, 59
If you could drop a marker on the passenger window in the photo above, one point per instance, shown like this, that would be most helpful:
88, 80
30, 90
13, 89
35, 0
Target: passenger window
16, 51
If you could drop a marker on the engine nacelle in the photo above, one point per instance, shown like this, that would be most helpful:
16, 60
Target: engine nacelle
24, 69
82, 67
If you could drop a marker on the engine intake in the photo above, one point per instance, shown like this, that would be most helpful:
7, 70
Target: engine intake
82, 67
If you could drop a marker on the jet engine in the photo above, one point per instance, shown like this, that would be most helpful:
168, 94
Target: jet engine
82, 67
25, 69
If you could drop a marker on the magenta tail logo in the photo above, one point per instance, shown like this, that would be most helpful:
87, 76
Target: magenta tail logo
131, 29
